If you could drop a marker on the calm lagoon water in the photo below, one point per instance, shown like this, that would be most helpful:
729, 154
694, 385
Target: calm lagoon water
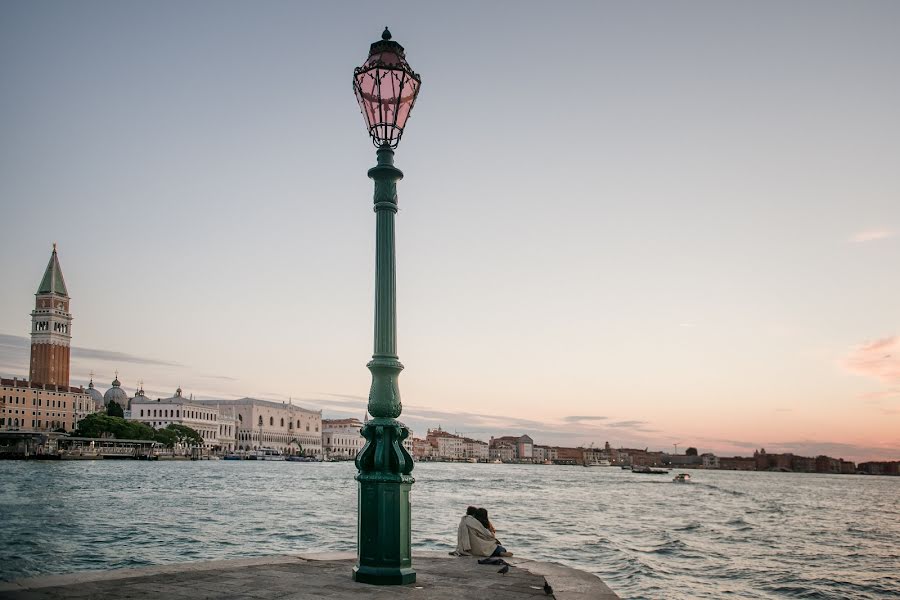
735, 535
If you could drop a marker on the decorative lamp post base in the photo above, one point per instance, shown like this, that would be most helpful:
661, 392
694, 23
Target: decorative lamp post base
385, 535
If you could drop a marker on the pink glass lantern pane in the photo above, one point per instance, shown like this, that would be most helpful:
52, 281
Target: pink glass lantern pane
366, 95
407, 97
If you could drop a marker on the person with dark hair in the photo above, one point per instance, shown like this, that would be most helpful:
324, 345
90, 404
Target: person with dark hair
475, 536
482, 515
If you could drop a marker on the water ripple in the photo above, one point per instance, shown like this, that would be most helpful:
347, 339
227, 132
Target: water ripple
728, 535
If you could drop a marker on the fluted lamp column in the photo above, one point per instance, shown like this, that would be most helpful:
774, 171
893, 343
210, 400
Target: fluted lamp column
386, 88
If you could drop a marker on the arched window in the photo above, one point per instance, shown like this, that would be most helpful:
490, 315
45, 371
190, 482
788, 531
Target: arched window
142, 412
260, 420
271, 420
282, 421
241, 418
307, 426
177, 412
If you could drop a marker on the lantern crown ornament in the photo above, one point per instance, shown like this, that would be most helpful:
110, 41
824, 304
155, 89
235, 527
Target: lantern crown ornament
386, 88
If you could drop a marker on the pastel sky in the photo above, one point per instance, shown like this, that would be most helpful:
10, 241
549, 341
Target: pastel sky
649, 223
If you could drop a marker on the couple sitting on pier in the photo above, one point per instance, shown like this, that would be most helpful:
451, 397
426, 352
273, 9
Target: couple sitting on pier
475, 535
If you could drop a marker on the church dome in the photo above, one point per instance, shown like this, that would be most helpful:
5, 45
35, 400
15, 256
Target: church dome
95, 394
116, 394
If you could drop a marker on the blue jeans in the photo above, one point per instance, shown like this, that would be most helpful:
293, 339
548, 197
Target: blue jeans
498, 550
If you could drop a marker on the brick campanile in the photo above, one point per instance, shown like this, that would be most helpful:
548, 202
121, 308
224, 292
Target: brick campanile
51, 328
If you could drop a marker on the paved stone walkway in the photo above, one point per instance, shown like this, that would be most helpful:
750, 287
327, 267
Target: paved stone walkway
312, 576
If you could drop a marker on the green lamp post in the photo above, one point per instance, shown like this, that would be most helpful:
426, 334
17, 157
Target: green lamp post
386, 88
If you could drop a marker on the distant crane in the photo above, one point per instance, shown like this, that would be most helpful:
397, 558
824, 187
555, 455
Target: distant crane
676, 447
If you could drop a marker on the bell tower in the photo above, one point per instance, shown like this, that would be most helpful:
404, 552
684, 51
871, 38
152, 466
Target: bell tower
51, 328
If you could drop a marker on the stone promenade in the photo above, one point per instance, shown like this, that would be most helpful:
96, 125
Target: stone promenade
309, 576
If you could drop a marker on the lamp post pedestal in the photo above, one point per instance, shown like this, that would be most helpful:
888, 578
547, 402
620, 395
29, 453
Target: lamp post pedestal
384, 465
384, 545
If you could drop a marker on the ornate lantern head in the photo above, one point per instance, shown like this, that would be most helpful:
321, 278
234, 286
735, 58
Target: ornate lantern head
386, 88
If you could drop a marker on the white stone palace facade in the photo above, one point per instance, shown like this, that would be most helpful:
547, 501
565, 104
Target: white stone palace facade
217, 429
282, 426
341, 438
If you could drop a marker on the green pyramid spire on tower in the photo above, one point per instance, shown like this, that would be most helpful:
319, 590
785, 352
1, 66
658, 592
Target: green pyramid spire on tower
53, 282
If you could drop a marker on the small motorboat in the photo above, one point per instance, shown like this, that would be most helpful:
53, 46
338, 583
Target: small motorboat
231, 457
682, 478
649, 471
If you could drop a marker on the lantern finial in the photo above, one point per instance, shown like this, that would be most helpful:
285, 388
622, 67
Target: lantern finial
386, 35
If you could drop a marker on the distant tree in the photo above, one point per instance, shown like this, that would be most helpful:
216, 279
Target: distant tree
181, 434
94, 425
166, 437
103, 425
113, 409
691, 451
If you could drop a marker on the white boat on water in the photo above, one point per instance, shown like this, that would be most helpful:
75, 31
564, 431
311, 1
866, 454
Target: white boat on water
682, 478
269, 454
598, 463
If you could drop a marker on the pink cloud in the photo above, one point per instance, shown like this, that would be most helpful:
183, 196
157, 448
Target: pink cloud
871, 235
878, 359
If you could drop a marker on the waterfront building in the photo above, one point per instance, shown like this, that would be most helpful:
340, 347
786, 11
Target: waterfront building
502, 451
510, 447
880, 468
569, 456
709, 460
803, 464
525, 448
448, 446
475, 449
421, 448
772, 462
226, 440
592, 455
826, 464
51, 328
544, 453
737, 463
30, 406
341, 438
445, 445
283, 426
83, 404
682, 460
178, 410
